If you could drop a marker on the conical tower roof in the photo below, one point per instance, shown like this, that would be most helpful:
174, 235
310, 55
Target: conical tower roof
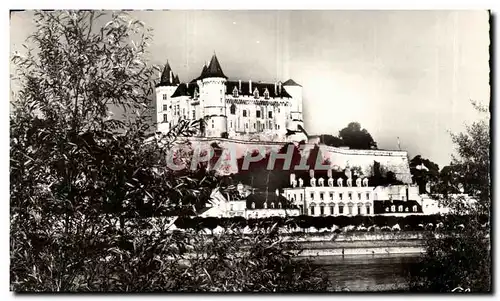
214, 69
167, 76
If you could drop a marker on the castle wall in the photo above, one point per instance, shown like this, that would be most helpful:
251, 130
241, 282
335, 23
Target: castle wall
395, 161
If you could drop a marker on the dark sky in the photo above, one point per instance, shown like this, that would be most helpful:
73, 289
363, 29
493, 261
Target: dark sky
399, 73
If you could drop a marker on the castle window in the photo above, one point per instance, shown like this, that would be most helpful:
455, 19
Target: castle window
213, 123
254, 127
359, 195
350, 195
331, 208
312, 195
321, 195
341, 209
244, 113
301, 208
266, 94
312, 210
322, 210
367, 209
340, 196
270, 114
232, 109
235, 92
165, 107
257, 113
232, 207
164, 96
194, 114
165, 118
246, 125
367, 196
331, 195
231, 124
256, 93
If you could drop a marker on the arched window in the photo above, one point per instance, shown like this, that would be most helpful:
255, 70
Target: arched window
253, 205
272, 205
332, 207
235, 92
233, 109
312, 208
393, 208
279, 205
265, 205
415, 208
400, 208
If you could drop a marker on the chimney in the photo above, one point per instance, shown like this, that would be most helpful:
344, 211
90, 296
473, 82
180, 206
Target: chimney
292, 178
279, 85
329, 173
311, 173
275, 88
250, 87
171, 81
239, 86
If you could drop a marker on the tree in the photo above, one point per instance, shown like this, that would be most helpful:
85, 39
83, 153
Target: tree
356, 138
423, 172
331, 140
460, 257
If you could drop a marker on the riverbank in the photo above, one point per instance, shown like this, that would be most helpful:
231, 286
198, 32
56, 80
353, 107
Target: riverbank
359, 243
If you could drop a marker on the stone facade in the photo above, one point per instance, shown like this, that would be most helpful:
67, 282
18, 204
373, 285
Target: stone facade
332, 197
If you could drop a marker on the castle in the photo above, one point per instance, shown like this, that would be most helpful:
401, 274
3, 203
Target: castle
242, 110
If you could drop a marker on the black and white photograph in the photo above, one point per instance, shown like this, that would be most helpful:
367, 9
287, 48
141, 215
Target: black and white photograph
250, 151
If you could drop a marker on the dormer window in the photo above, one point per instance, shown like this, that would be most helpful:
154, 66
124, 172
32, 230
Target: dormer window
266, 94
256, 93
235, 92
265, 205
253, 205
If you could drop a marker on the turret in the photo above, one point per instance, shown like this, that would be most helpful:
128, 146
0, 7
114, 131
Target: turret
164, 90
213, 87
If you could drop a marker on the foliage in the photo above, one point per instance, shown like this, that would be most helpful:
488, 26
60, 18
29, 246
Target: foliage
331, 140
356, 138
423, 171
462, 259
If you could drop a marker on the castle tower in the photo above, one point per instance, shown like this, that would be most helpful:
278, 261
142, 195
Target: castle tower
212, 84
294, 120
164, 90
